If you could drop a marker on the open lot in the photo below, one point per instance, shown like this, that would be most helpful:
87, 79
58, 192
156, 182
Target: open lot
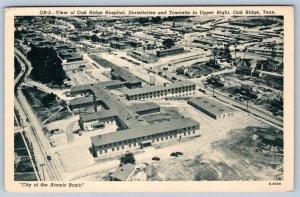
46, 112
79, 78
231, 159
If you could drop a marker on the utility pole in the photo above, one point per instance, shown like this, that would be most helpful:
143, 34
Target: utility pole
247, 100
94, 102
273, 51
235, 52
152, 80
42, 166
214, 89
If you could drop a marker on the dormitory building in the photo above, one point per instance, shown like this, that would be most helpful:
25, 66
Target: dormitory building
177, 89
134, 132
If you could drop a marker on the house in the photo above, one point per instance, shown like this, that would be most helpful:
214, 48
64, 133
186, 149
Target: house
122, 172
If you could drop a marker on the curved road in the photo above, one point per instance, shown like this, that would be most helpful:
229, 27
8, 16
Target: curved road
45, 161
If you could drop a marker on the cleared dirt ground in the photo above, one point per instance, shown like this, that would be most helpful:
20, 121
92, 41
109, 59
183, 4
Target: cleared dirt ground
230, 159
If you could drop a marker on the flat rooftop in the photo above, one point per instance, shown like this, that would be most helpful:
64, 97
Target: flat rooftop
124, 114
211, 105
87, 87
143, 106
97, 115
81, 100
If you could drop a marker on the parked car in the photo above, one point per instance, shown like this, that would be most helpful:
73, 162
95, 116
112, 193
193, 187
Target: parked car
156, 158
179, 153
174, 154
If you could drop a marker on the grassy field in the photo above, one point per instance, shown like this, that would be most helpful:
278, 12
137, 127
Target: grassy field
23, 169
64, 113
44, 110
101, 61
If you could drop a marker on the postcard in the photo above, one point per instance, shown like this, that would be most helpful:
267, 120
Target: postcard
149, 99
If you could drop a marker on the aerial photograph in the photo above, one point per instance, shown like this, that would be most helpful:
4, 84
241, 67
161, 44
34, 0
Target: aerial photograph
149, 98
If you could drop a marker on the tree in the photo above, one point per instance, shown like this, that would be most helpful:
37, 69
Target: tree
127, 34
143, 20
94, 38
48, 99
19, 34
156, 19
127, 158
214, 53
17, 67
90, 24
168, 43
46, 66
227, 53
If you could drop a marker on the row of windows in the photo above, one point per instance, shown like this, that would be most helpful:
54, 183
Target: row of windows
205, 111
161, 53
187, 94
148, 111
153, 140
144, 97
119, 148
73, 65
183, 89
146, 94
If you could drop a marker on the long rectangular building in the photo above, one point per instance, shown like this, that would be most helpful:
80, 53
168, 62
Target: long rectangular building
145, 108
113, 84
139, 137
211, 107
71, 60
171, 51
177, 89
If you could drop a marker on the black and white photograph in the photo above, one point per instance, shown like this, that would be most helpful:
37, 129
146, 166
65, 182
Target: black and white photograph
147, 95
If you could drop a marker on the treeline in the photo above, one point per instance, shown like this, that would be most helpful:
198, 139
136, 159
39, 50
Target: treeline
158, 19
46, 66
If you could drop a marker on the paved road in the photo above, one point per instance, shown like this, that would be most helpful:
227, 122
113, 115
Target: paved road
270, 73
46, 89
46, 166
